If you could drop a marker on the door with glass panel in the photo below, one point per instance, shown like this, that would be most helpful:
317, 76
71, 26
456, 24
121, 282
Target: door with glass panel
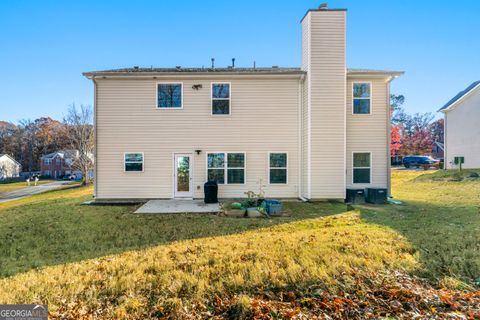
183, 176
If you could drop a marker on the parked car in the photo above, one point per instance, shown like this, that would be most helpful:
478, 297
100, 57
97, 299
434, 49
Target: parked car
419, 161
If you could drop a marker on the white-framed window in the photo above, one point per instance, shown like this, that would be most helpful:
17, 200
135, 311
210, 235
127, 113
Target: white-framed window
362, 94
48, 162
57, 161
169, 95
278, 168
226, 167
362, 167
47, 173
133, 161
221, 97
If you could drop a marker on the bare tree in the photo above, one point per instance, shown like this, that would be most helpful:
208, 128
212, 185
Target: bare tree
80, 131
29, 142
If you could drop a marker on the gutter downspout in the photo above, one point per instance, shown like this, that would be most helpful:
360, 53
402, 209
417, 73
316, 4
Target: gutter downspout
95, 137
445, 140
300, 157
389, 160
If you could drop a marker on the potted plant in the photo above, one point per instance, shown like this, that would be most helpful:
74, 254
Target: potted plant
234, 209
251, 205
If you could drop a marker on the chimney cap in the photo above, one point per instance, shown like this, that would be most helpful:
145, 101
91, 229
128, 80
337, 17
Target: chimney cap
323, 6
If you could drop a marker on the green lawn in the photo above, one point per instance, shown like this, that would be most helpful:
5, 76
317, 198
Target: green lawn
105, 262
55, 227
440, 217
6, 187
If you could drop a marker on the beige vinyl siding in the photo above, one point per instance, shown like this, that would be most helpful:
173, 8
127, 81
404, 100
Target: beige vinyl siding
263, 118
369, 133
305, 135
462, 132
327, 81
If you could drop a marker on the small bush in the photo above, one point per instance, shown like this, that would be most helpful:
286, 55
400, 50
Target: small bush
473, 174
242, 309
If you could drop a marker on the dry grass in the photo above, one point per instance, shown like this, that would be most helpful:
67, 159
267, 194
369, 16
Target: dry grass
7, 187
285, 256
440, 218
180, 264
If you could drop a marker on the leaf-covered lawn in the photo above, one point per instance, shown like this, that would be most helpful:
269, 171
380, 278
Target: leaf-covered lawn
105, 262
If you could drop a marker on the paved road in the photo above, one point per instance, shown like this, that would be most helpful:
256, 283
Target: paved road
28, 191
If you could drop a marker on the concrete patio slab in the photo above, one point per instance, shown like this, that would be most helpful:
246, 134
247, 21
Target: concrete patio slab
178, 206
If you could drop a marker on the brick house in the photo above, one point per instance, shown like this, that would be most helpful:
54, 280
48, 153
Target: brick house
58, 164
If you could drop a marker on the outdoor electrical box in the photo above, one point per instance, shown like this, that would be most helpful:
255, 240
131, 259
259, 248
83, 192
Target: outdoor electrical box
376, 195
355, 196
459, 161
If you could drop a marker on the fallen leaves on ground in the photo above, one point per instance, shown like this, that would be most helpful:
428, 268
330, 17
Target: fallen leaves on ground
374, 296
394, 295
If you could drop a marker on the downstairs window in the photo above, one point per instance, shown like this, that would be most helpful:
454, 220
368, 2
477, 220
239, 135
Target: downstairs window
361, 167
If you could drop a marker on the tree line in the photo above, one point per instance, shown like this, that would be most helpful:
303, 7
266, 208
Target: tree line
28, 140
413, 134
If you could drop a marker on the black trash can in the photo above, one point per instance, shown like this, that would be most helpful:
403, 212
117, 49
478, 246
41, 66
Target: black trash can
210, 189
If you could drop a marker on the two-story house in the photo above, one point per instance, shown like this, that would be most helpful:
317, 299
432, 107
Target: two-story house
58, 164
307, 132
462, 128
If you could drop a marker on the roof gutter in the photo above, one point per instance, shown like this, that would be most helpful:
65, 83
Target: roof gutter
147, 75
455, 104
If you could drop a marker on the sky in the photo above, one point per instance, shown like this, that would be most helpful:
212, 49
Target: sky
46, 45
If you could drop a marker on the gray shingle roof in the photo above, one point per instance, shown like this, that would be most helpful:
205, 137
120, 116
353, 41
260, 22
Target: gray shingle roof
271, 70
460, 95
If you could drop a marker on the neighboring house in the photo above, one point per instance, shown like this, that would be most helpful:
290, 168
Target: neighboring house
462, 128
438, 150
308, 132
9, 167
59, 164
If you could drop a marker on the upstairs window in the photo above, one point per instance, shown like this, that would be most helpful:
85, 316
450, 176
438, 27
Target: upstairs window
134, 162
277, 168
361, 98
221, 98
48, 161
361, 167
169, 96
226, 168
